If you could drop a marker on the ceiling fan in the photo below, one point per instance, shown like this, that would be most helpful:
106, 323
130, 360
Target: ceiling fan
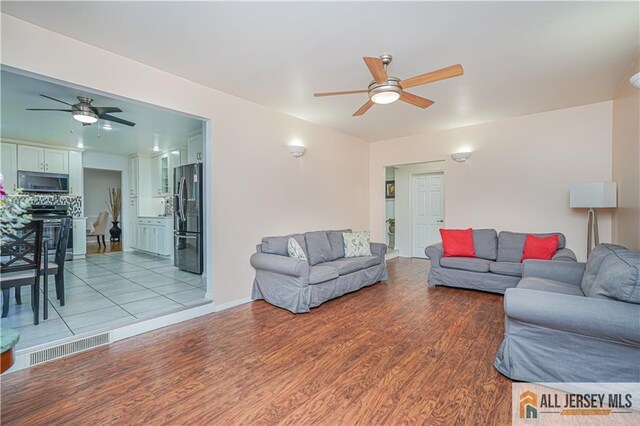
86, 113
385, 89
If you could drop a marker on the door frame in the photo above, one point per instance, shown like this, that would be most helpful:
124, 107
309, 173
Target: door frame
412, 177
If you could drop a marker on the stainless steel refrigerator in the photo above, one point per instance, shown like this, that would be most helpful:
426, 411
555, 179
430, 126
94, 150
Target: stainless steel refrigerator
188, 231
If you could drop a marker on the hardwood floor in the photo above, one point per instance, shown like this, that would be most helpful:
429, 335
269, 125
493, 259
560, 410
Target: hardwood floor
396, 352
109, 247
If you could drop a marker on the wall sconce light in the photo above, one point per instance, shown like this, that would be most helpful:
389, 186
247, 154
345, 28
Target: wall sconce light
297, 150
635, 80
461, 156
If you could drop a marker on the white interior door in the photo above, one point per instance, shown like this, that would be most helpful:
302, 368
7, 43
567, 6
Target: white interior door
427, 211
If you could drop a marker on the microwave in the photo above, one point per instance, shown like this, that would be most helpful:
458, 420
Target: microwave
43, 182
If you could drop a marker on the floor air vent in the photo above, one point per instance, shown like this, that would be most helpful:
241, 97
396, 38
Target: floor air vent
65, 349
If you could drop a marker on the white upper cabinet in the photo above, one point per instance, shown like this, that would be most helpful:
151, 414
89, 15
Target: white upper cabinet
9, 166
156, 173
56, 161
76, 173
195, 146
37, 159
30, 158
133, 176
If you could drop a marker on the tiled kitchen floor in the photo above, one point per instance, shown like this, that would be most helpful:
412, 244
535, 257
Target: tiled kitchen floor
107, 290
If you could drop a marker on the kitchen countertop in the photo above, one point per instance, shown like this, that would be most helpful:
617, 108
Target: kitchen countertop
155, 217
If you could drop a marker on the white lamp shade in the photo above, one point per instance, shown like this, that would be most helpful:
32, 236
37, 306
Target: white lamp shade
593, 195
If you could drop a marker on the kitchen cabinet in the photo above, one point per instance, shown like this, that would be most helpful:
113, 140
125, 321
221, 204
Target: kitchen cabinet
9, 166
56, 161
79, 237
133, 222
155, 235
162, 172
76, 174
195, 148
133, 176
30, 158
38, 159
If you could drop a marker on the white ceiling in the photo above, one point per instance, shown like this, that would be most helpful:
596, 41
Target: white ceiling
519, 57
154, 126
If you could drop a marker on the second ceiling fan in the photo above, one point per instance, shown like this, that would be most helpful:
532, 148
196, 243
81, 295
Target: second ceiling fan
385, 89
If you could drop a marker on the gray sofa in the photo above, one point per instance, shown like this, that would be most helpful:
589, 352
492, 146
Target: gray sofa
298, 285
571, 322
496, 266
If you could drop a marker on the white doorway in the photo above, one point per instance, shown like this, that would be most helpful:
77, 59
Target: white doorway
427, 211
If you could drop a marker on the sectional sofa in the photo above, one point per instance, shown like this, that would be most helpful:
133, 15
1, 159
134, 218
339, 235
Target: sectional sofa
299, 285
497, 264
574, 322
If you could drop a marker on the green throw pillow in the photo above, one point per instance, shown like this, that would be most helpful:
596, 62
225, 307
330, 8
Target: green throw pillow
357, 244
294, 249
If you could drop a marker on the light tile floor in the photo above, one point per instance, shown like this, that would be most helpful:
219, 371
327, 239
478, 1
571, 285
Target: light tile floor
107, 290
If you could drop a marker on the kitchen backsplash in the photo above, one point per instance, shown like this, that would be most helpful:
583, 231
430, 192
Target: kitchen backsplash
168, 206
73, 201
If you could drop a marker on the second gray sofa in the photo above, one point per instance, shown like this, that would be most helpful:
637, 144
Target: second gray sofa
497, 264
298, 285
574, 322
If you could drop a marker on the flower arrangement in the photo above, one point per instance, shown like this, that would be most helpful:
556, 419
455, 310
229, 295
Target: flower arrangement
12, 210
114, 203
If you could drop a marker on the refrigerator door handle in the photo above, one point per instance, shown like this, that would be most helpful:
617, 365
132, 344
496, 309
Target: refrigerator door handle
183, 183
187, 237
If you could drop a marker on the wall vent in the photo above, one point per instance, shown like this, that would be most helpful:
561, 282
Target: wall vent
65, 349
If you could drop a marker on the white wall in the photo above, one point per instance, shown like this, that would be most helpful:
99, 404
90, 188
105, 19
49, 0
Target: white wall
404, 232
626, 162
519, 175
258, 187
96, 190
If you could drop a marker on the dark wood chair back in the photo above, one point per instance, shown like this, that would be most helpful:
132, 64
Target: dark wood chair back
63, 242
22, 249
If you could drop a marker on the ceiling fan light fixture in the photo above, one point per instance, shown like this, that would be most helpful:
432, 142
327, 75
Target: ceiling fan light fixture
84, 114
385, 93
385, 97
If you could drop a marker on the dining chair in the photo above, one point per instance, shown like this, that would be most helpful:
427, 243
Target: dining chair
55, 267
99, 227
21, 263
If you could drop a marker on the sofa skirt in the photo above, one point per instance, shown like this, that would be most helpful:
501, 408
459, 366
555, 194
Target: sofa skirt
484, 281
292, 294
536, 354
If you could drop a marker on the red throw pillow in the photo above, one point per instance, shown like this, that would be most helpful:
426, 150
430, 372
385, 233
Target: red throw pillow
458, 242
542, 248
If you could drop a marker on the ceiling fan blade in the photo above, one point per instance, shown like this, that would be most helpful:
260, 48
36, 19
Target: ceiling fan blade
376, 67
416, 100
54, 99
364, 108
105, 110
49, 109
348, 92
430, 77
116, 120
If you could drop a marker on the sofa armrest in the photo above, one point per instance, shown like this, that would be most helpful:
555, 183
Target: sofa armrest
280, 264
566, 255
379, 250
587, 316
434, 253
566, 272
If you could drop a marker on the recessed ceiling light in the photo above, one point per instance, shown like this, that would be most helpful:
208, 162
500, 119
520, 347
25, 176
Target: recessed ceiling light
175, 152
156, 148
107, 126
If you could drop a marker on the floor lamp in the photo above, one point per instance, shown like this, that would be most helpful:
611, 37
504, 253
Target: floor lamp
592, 196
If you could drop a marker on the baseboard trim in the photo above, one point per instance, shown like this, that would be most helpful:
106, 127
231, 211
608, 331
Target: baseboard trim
232, 304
